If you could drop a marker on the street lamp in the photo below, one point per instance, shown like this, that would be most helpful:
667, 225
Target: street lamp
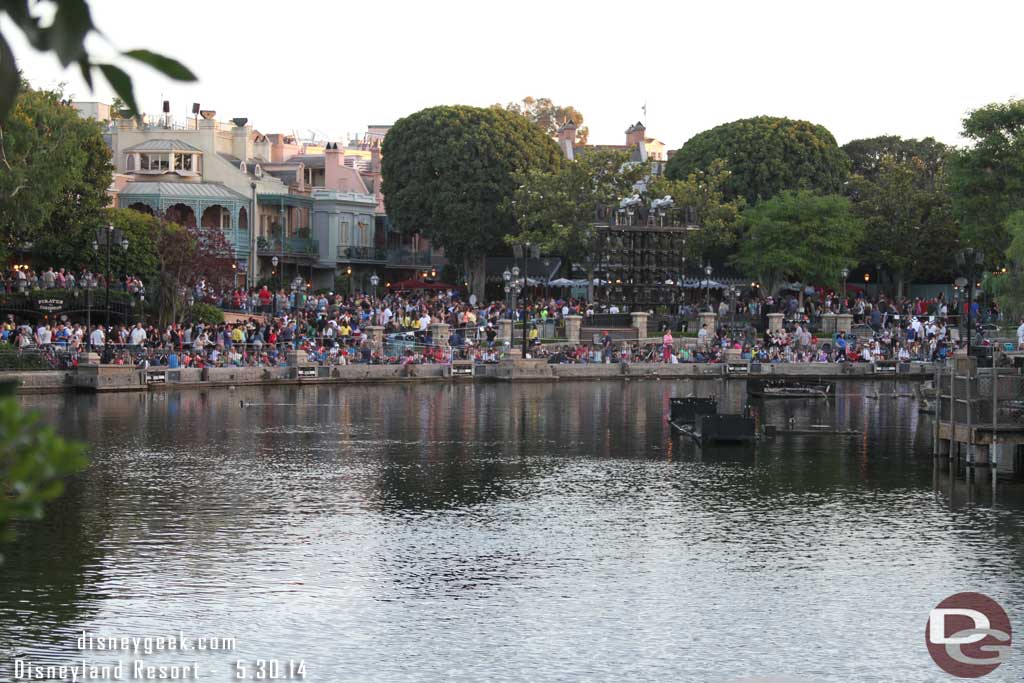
108, 238
374, 281
142, 314
707, 284
274, 262
970, 259
842, 302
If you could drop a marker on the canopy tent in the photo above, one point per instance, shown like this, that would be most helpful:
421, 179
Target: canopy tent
420, 284
563, 282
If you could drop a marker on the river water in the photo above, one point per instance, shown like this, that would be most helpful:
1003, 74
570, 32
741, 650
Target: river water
478, 533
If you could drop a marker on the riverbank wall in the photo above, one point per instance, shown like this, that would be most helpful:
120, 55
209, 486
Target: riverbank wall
112, 378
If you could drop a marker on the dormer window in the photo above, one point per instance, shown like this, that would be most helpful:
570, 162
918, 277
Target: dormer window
158, 156
258, 171
154, 162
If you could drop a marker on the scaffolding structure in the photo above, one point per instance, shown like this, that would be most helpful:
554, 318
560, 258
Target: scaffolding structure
980, 419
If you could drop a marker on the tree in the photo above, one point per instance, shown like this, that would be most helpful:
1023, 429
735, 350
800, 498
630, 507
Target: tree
987, 178
549, 116
866, 155
1008, 287
801, 235
718, 218
65, 36
556, 209
449, 171
33, 463
185, 256
765, 155
908, 220
45, 152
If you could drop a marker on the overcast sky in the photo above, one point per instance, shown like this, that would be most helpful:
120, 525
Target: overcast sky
860, 68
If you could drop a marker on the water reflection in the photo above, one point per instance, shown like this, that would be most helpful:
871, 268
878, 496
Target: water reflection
546, 532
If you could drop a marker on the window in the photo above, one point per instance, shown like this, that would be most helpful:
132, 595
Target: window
183, 162
129, 163
154, 162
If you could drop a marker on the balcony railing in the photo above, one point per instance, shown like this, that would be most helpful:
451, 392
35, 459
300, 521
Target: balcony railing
405, 257
355, 253
295, 246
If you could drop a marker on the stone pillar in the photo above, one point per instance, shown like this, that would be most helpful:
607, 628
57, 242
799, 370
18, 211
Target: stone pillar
640, 323
828, 323
711, 320
775, 322
439, 331
89, 358
572, 329
375, 334
844, 321
505, 331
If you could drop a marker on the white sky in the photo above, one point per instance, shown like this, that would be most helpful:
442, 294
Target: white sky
860, 68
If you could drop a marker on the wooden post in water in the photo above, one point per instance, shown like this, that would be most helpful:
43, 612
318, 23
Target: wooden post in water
938, 410
993, 458
969, 471
952, 410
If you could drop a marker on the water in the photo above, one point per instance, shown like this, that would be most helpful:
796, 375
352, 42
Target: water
552, 532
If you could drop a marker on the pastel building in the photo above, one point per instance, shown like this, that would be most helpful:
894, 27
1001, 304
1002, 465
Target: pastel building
317, 208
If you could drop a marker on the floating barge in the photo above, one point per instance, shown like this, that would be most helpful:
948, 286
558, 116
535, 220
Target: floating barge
783, 388
698, 418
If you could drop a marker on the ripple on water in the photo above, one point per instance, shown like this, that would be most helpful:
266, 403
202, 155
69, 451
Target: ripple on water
533, 533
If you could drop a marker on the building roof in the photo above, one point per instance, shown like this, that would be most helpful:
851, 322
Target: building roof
351, 181
163, 146
182, 190
309, 160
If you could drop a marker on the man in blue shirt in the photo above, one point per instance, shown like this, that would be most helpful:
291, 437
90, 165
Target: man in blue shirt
840, 344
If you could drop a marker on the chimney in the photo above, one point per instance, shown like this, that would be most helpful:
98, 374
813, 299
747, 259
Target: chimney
567, 133
333, 161
635, 134
261, 148
241, 139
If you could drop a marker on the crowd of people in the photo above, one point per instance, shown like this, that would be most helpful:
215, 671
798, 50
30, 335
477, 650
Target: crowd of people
20, 279
334, 329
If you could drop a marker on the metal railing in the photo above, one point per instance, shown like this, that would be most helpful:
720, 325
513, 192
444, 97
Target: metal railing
292, 245
406, 257
348, 252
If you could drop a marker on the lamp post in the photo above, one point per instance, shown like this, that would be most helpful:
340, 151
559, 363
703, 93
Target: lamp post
735, 291
108, 237
142, 312
351, 287
842, 307
274, 262
507, 277
707, 285
374, 281
970, 259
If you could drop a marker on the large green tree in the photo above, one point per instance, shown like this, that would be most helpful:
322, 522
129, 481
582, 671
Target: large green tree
556, 209
766, 155
987, 177
718, 218
549, 116
53, 168
867, 154
907, 212
799, 235
449, 172
1008, 287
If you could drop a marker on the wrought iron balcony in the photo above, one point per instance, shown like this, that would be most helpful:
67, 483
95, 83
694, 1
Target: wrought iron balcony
294, 246
406, 257
358, 253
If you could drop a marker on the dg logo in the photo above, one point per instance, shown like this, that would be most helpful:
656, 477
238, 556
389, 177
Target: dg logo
968, 635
